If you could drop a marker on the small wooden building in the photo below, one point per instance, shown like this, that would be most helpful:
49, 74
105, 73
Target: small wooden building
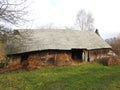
53, 46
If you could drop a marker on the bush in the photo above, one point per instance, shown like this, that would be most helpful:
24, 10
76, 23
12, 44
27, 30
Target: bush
109, 61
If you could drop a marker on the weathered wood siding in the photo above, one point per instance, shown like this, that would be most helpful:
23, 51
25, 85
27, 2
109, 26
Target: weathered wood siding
13, 59
97, 54
46, 57
59, 57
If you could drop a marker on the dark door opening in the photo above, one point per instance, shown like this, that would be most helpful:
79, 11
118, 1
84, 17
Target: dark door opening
24, 57
77, 54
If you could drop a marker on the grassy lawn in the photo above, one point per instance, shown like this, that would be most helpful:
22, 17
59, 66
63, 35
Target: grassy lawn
83, 77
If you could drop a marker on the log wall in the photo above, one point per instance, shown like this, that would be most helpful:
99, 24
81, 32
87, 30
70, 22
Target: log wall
58, 57
98, 54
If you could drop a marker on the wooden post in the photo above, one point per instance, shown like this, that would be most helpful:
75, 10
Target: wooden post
86, 55
55, 56
83, 55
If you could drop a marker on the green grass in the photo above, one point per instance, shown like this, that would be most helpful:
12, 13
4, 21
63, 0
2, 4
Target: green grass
83, 77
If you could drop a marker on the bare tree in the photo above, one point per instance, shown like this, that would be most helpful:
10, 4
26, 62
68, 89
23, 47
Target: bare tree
84, 20
5, 30
115, 43
12, 11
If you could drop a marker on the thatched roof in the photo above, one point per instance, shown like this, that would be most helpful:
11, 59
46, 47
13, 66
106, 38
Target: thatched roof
35, 40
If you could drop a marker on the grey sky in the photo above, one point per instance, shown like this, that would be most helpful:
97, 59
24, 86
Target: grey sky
62, 13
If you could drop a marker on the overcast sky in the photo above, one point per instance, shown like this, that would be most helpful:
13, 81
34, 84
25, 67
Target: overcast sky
61, 13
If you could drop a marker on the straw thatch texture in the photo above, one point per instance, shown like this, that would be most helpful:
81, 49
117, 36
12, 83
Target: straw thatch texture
35, 40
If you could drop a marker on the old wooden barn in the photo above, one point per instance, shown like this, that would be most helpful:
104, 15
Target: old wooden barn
56, 46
